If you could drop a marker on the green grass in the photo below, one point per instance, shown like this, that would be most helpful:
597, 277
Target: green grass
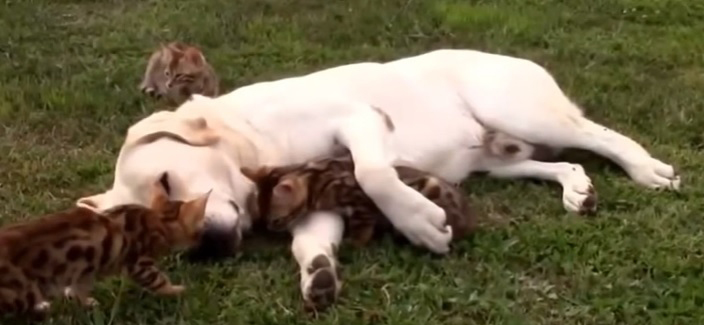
68, 90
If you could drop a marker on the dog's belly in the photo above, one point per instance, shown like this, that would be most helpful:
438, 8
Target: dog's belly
433, 129
448, 150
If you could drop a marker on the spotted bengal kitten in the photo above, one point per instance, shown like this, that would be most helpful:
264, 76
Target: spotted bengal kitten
63, 253
176, 71
287, 193
284, 195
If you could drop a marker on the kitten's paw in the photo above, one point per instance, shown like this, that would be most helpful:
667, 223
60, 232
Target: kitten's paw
84, 299
148, 90
90, 302
171, 290
42, 307
322, 286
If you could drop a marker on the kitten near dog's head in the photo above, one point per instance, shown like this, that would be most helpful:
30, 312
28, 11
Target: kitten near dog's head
184, 220
176, 71
278, 195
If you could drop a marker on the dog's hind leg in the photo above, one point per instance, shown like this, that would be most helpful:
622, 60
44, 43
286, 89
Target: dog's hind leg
538, 111
631, 156
578, 193
582, 133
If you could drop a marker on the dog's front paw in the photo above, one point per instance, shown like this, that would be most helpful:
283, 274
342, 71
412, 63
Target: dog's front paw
322, 285
578, 192
655, 174
426, 226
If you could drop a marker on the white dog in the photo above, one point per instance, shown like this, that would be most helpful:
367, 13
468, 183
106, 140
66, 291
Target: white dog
428, 111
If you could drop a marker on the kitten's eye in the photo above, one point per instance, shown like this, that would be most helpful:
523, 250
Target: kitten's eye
167, 73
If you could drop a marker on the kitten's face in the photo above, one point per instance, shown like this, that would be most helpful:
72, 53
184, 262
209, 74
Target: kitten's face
279, 194
184, 219
287, 200
186, 65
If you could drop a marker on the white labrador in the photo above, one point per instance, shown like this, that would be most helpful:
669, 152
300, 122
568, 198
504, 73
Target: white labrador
439, 104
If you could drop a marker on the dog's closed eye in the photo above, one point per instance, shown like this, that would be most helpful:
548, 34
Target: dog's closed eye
235, 206
164, 180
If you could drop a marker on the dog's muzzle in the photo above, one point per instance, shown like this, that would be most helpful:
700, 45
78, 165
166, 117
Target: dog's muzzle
216, 243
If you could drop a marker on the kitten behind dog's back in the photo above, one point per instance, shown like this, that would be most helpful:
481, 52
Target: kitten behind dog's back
176, 71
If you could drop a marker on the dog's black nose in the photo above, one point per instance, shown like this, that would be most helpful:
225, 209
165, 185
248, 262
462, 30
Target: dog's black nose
216, 243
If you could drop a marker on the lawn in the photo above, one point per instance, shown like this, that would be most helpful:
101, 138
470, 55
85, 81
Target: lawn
69, 72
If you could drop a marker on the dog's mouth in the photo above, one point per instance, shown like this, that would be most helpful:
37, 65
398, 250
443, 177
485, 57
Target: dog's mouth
218, 240
277, 225
216, 243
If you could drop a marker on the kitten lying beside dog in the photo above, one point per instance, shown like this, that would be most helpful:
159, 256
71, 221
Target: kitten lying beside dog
65, 252
287, 194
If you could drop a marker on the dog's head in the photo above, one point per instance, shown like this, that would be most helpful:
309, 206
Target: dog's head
184, 147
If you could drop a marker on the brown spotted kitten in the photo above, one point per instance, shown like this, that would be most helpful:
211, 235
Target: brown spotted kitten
176, 71
287, 193
64, 253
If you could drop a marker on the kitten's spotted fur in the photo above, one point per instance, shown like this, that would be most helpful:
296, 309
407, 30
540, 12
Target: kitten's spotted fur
176, 71
287, 193
64, 253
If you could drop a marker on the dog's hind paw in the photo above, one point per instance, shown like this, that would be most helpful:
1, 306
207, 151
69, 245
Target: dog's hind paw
656, 175
578, 192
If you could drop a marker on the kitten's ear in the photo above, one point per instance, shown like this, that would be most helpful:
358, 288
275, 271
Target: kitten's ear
255, 175
160, 197
176, 46
193, 211
284, 191
194, 56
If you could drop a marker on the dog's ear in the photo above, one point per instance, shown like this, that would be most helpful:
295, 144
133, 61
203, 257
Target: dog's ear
159, 194
255, 175
194, 131
97, 202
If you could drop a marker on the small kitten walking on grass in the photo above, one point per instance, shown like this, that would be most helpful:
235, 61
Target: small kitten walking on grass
64, 253
176, 71
285, 195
